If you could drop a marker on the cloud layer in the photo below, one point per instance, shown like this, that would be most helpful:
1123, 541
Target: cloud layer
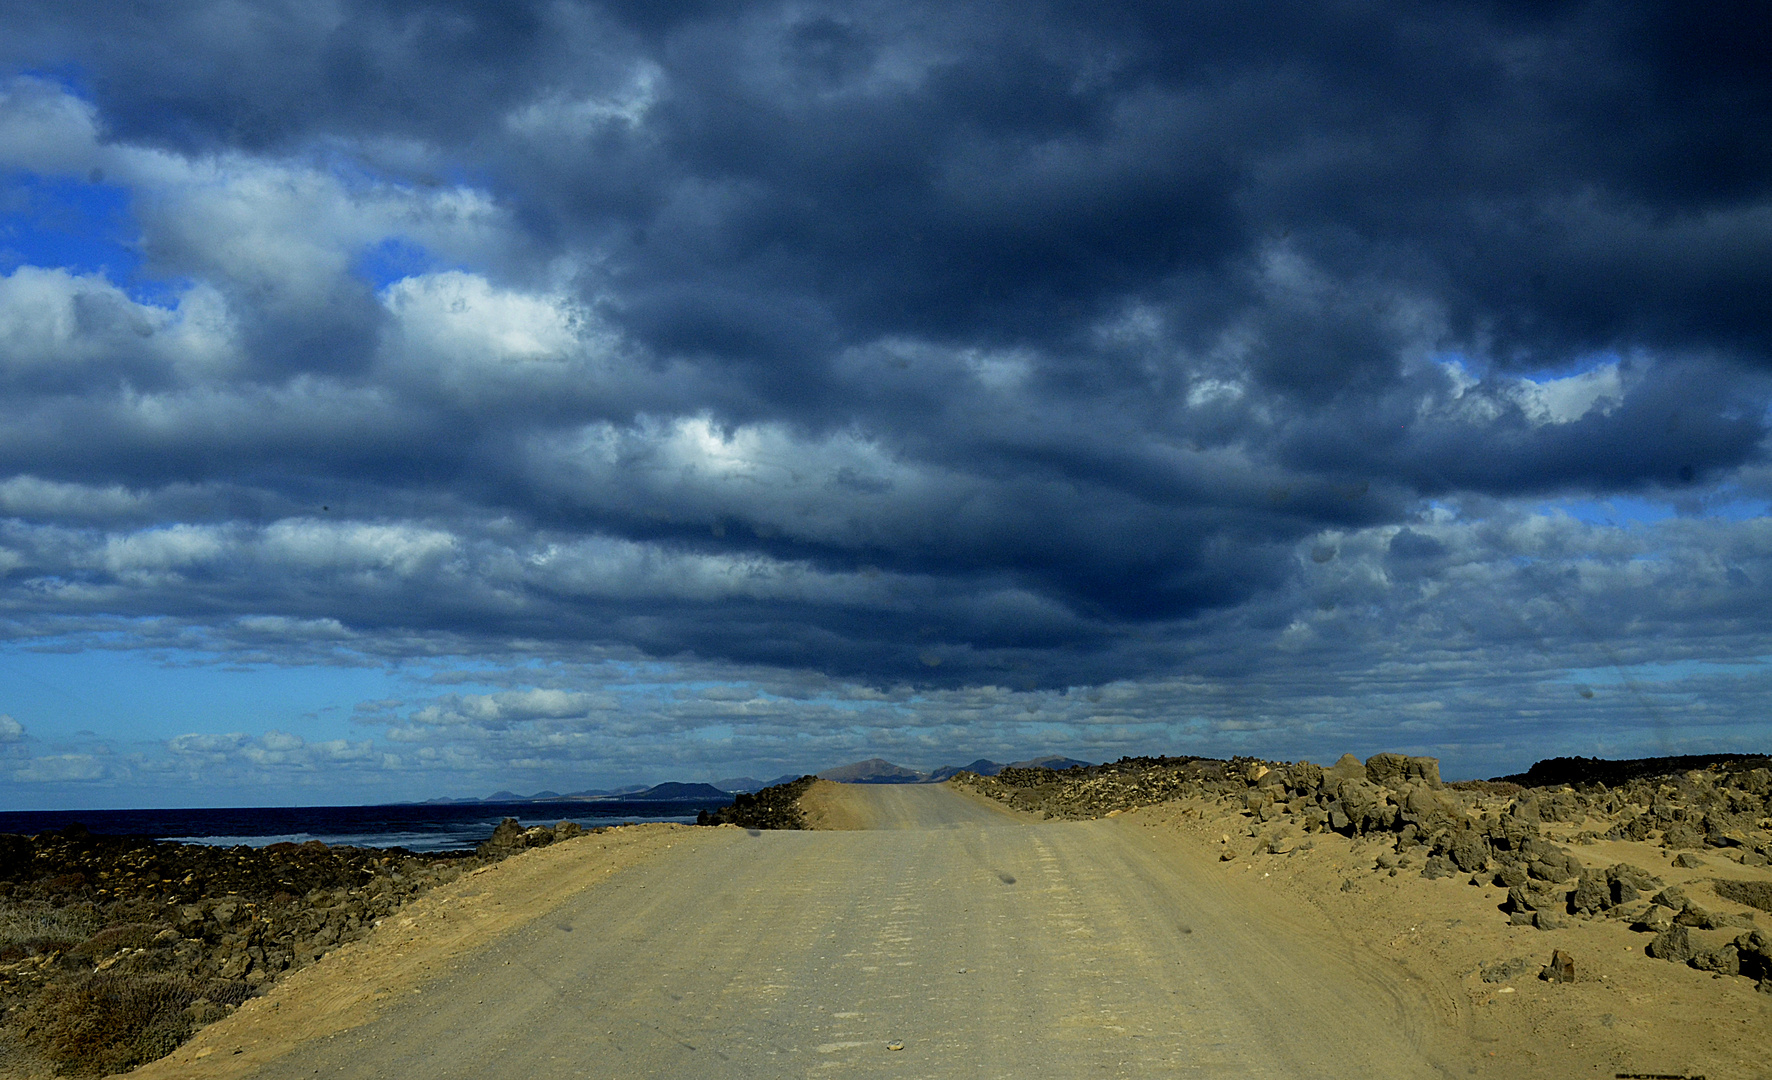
918, 359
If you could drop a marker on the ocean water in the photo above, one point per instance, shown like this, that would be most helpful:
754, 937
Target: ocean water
416, 826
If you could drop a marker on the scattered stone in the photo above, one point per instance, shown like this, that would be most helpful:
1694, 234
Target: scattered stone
1511, 875
1552, 863
1504, 970
1673, 944
1438, 866
1628, 882
1725, 960
1681, 835
1561, 968
1482, 831
1656, 920
1671, 897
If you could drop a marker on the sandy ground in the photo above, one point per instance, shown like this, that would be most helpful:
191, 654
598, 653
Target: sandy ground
1626, 1012
979, 943
826, 808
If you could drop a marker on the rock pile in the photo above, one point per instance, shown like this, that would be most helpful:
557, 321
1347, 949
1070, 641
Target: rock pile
775, 807
511, 837
1489, 830
113, 949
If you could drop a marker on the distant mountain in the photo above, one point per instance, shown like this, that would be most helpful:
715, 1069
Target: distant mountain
552, 796
1053, 762
983, 767
674, 792
873, 771
604, 793
740, 783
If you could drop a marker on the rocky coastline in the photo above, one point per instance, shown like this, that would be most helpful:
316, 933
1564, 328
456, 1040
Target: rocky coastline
115, 949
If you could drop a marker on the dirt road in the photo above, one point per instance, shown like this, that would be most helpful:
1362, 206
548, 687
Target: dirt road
987, 945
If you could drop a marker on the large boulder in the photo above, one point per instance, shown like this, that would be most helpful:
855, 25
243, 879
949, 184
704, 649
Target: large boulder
1592, 895
1428, 803
1754, 954
1348, 768
1627, 882
505, 839
1551, 863
1682, 834
1510, 874
1469, 851
1306, 777
1394, 770
1723, 960
1363, 802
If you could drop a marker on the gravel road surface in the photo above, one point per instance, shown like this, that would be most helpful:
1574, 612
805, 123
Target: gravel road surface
947, 939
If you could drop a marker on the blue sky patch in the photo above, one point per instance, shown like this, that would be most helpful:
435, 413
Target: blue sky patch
84, 227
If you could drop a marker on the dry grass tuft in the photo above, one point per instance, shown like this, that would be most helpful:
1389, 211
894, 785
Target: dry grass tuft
35, 926
108, 1022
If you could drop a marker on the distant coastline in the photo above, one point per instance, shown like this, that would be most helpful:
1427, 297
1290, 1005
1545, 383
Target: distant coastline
417, 827
461, 824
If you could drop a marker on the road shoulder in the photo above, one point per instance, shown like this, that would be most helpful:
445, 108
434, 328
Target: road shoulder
1497, 1017
414, 946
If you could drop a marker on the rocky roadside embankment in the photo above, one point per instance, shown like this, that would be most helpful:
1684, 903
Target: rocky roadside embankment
1498, 832
775, 807
114, 949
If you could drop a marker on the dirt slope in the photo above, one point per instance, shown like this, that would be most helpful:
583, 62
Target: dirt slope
986, 944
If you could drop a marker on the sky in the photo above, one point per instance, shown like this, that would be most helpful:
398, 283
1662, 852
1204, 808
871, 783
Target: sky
413, 399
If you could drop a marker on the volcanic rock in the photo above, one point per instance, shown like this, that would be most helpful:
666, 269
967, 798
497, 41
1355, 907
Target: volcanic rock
1673, 944
1752, 893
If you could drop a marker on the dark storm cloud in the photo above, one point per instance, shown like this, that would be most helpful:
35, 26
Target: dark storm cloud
947, 344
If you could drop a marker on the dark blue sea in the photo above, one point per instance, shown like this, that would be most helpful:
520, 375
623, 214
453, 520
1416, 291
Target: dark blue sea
414, 826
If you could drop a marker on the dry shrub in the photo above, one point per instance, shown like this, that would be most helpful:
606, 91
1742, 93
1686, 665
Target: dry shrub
227, 991
1486, 787
107, 1022
112, 938
35, 926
